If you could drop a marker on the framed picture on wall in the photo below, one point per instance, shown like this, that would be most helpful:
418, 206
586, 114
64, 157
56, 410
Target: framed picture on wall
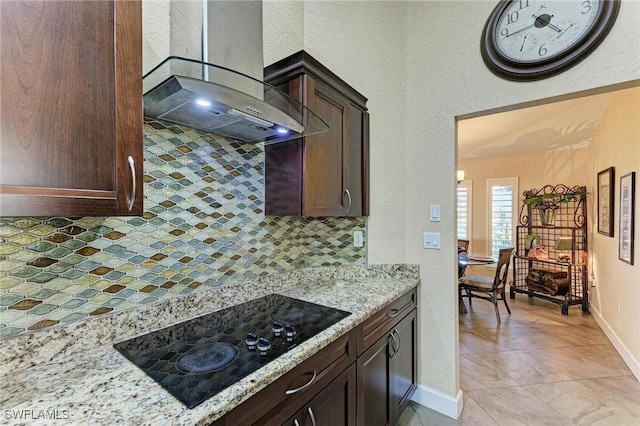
627, 202
605, 201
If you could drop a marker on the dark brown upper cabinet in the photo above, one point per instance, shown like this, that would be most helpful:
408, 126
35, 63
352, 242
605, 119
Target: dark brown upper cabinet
325, 174
71, 108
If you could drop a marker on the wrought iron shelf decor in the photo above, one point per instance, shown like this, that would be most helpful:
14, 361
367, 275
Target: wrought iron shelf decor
555, 217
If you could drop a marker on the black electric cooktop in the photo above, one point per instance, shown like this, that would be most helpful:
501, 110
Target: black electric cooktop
196, 359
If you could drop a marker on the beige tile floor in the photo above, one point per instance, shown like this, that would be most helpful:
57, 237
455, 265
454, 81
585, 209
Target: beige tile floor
537, 368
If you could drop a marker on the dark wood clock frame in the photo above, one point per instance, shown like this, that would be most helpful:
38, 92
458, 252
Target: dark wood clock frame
527, 71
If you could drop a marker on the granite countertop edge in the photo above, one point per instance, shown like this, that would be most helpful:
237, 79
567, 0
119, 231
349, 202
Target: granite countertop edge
61, 391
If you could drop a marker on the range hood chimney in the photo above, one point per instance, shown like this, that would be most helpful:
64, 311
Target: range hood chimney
215, 83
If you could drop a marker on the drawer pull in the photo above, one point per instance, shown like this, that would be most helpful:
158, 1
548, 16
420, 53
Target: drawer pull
303, 387
313, 418
394, 345
132, 168
393, 313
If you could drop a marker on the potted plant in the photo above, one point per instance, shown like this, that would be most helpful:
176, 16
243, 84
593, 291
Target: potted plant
547, 200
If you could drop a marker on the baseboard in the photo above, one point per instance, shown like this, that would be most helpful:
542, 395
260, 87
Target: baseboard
438, 401
627, 356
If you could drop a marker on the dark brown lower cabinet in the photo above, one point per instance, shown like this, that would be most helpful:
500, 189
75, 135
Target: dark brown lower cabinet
387, 375
335, 405
402, 367
373, 387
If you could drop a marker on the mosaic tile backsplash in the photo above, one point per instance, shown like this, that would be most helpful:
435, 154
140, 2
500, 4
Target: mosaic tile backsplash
203, 225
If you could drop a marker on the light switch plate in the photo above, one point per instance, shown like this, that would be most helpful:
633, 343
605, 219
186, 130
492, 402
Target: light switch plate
434, 213
358, 239
431, 240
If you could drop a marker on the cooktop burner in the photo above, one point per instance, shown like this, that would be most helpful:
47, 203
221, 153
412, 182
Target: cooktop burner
196, 359
207, 357
297, 316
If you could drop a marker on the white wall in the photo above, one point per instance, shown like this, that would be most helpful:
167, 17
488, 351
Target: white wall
447, 78
363, 43
155, 33
617, 144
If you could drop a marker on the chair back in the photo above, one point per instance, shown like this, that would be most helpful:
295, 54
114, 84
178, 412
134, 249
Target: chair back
463, 244
502, 269
463, 258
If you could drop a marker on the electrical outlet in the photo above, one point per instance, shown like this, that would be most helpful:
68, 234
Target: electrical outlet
358, 239
593, 282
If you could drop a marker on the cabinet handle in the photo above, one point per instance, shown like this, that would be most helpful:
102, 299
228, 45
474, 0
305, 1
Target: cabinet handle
393, 313
395, 330
346, 191
313, 418
393, 344
132, 167
306, 385
296, 422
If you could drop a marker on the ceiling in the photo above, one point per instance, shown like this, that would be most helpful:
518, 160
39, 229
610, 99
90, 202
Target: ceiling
568, 124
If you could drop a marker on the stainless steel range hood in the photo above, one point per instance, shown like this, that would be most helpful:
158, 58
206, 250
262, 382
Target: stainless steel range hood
215, 83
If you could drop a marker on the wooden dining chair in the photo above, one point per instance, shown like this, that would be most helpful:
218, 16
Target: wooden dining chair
463, 244
487, 288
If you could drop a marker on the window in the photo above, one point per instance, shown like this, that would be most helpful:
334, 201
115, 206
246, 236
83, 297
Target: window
503, 208
464, 210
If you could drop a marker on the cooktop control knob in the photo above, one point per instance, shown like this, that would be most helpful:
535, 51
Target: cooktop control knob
251, 341
289, 332
263, 346
277, 329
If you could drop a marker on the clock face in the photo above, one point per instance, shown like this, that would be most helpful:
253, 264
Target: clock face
537, 30
532, 39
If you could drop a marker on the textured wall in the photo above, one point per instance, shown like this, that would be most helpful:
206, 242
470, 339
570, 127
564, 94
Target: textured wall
448, 78
203, 225
419, 64
618, 282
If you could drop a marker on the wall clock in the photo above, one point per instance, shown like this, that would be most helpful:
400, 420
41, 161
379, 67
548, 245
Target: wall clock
535, 39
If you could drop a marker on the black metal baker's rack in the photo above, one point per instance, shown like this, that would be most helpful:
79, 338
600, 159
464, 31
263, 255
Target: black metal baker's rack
570, 222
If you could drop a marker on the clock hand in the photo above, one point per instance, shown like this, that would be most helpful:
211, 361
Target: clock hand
523, 40
553, 27
565, 30
520, 30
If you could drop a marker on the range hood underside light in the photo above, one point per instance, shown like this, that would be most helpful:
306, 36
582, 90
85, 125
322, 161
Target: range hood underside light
183, 100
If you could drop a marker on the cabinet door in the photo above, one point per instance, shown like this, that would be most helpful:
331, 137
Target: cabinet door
295, 420
325, 154
356, 167
402, 366
373, 384
335, 405
71, 114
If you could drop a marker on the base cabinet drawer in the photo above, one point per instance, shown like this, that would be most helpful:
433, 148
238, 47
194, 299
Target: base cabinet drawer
383, 321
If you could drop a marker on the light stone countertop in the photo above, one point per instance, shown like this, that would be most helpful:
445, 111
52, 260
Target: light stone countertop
97, 385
